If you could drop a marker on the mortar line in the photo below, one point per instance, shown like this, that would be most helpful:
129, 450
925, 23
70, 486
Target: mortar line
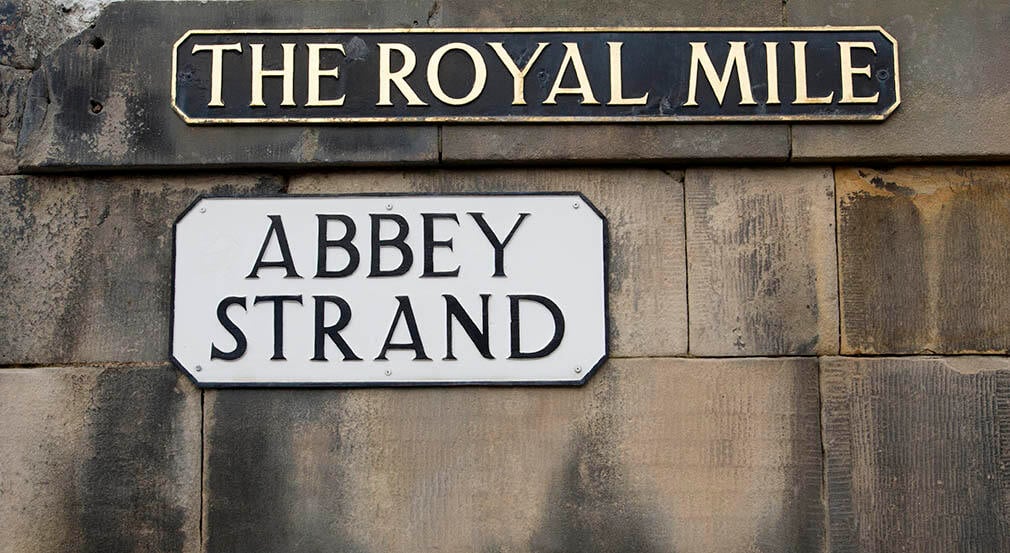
687, 270
822, 429
838, 258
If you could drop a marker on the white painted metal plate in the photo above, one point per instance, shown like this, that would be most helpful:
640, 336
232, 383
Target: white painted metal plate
368, 290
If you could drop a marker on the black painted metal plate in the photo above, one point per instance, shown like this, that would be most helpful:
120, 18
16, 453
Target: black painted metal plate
794, 74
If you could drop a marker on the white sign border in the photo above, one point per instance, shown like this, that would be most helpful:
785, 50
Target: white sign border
392, 383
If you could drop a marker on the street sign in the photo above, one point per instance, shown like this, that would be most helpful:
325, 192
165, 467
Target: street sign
390, 290
517, 75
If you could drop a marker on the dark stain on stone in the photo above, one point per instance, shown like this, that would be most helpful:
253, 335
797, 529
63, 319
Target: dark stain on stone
884, 290
973, 304
255, 498
9, 23
934, 460
127, 493
590, 508
799, 527
892, 187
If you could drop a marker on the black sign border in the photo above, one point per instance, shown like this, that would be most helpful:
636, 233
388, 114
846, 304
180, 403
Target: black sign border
528, 118
397, 384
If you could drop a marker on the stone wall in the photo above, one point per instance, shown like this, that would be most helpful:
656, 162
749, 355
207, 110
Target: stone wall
810, 322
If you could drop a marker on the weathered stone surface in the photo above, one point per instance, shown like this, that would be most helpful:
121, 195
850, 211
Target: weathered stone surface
86, 264
13, 84
761, 261
923, 259
34, 28
652, 455
597, 13
611, 143
954, 83
99, 459
917, 454
648, 312
103, 98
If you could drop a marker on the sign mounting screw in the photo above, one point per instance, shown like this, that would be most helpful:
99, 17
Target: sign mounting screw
199, 368
203, 210
575, 205
578, 370
389, 207
388, 372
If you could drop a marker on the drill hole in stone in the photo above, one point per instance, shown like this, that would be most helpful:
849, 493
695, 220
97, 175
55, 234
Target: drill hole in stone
96, 42
96, 107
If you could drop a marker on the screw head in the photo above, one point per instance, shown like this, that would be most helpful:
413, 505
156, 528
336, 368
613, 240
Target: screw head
575, 205
203, 210
389, 207
199, 368
578, 370
388, 372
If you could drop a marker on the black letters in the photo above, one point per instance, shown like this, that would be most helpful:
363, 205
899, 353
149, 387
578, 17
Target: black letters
498, 245
430, 244
559, 326
332, 331
278, 302
407, 312
232, 328
325, 244
479, 337
399, 242
276, 227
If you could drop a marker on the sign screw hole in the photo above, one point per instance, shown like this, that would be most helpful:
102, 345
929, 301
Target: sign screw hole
388, 372
96, 107
203, 210
199, 368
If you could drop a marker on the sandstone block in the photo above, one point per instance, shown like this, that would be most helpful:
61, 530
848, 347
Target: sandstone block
86, 263
916, 454
922, 257
13, 84
761, 261
99, 459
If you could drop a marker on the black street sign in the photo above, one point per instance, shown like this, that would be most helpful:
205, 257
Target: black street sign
535, 75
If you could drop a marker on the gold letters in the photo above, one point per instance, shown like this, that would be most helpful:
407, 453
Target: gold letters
800, 62
735, 59
287, 72
386, 76
772, 61
845, 52
215, 67
518, 75
616, 96
574, 58
479, 78
316, 72
655, 76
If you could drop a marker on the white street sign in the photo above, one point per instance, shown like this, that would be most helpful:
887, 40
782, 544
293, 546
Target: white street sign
390, 290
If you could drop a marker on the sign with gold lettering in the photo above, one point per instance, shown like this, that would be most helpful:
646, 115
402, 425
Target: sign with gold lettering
535, 75
390, 290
